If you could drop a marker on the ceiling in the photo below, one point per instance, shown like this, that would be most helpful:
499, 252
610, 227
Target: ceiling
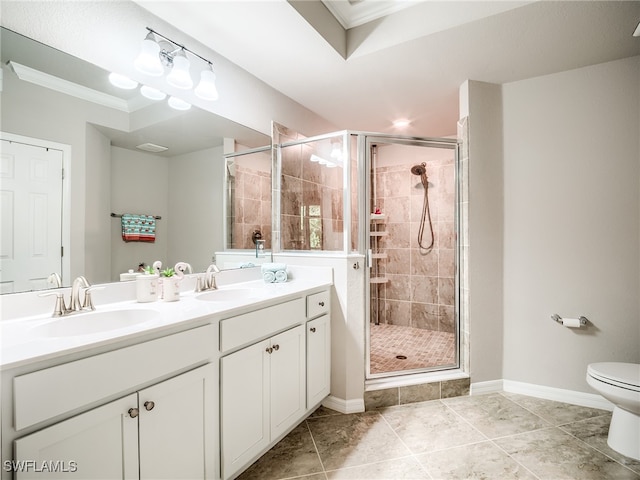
361, 64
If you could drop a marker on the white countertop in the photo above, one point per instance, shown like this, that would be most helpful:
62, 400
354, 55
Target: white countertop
22, 340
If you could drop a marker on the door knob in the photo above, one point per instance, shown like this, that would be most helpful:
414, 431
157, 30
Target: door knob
269, 350
133, 412
148, 405
276, 347
313, 329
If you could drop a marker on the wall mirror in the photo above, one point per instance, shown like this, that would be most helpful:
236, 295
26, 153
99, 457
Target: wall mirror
49, 95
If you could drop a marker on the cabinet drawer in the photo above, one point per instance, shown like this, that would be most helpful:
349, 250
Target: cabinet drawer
318, 304
254, 326
54, 391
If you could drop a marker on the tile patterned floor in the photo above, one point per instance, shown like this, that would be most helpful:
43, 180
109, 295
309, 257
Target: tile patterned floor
495, 436
423, 348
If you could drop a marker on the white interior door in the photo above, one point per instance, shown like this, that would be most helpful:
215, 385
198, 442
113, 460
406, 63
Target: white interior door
30, 214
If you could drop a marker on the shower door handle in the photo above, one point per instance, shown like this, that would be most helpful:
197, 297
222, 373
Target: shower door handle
369, 258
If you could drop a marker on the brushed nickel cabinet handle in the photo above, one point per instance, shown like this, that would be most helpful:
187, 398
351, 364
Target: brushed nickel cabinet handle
313, 329
148, 405
269, 350
276, 347
133, 412
321, 304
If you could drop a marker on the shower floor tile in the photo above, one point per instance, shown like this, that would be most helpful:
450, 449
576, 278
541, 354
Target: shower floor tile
422, 348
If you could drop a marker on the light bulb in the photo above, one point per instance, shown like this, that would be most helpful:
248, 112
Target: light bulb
179, 76
178, 104
206, 89
121, 81
152, 93
148, 61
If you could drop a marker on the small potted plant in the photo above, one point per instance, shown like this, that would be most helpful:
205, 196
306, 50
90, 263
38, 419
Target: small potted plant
170, 285
147, 285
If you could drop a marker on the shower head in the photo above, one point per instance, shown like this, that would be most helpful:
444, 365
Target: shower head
419, 169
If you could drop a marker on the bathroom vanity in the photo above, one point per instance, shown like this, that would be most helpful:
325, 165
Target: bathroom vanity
198, 388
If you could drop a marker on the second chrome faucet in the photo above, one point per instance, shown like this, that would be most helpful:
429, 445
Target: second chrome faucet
75, 305
208, 282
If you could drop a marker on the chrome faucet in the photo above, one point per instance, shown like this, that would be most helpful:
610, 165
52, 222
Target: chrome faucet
61, 309
55, 280
209, 280
74, 303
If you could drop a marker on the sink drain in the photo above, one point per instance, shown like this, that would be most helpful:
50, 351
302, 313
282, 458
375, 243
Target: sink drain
401, 357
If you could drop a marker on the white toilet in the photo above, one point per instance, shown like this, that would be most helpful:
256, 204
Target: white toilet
620, 384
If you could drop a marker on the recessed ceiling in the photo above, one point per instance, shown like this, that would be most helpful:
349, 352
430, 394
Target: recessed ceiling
353, 13
409, 63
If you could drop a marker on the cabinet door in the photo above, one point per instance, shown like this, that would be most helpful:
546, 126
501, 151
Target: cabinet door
176, 427
99, 444
318, 360
287, 381
244, 402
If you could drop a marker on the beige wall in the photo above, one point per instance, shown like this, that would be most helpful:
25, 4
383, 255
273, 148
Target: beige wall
482, 103
571, 222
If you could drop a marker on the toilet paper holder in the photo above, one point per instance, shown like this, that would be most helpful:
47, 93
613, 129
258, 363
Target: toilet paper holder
558, 318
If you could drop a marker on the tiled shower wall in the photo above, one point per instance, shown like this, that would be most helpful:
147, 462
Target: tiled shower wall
251, 207
421, 287
312, 202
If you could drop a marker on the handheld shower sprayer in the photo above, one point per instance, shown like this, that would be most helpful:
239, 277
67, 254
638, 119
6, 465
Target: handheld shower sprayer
421, 171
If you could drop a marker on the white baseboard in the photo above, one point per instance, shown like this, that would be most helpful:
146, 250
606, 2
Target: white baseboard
491, 386
583, 399
344, 406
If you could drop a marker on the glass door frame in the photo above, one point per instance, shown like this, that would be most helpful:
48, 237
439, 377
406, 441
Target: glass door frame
365, 142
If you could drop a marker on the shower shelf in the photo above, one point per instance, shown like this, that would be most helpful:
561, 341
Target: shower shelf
378, 234
377, 216
378, 280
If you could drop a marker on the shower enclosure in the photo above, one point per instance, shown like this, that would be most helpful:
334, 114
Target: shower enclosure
413, 279
394, 200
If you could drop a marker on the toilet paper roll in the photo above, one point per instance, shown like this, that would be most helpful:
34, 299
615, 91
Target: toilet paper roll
571, 322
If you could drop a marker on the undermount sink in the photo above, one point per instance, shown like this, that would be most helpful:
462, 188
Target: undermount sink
93, 322
229, 295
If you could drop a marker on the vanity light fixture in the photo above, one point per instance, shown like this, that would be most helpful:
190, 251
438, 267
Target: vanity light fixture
156, 54
206, 89
178, 103
327, 163
121, 81
152, 93
179, 76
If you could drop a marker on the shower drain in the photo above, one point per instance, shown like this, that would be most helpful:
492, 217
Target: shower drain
401, 357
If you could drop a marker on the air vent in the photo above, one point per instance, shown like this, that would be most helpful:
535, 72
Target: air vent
152, 147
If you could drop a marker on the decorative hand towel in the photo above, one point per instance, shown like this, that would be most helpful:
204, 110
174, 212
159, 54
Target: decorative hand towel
138, 228
268, 277
147, 228
130, 227
281, 276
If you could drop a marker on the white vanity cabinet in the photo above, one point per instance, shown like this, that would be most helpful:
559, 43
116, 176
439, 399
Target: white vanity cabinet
159, 432
318, 359
262, 395
318, 347
162, 425
101, 443
271, 363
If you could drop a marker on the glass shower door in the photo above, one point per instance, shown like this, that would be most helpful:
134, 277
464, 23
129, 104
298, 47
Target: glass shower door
412, 226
